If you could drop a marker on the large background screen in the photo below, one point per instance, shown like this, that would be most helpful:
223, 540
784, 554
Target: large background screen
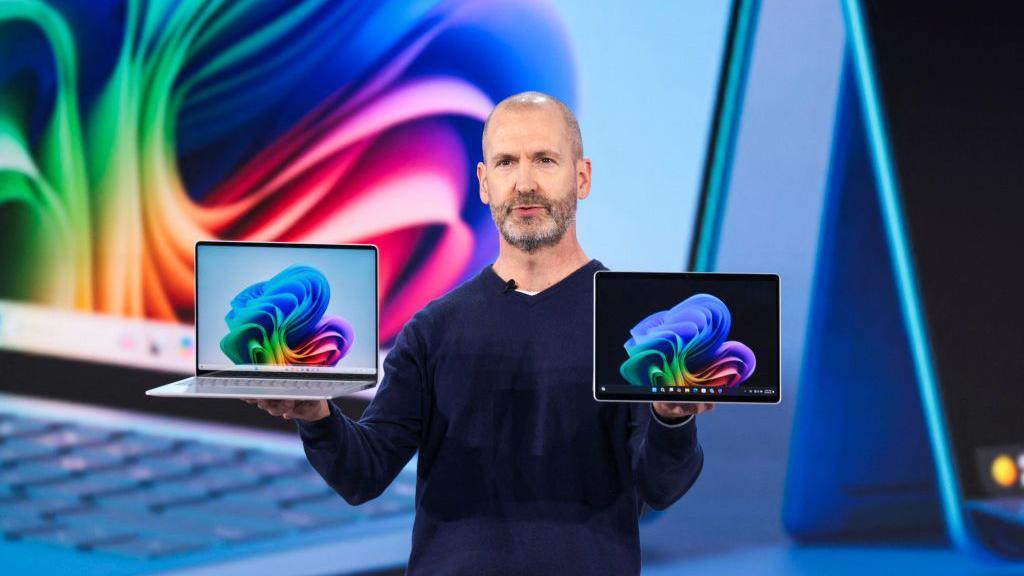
952, 95
128, 131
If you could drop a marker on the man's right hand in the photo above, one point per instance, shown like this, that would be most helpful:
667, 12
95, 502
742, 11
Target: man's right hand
308, 410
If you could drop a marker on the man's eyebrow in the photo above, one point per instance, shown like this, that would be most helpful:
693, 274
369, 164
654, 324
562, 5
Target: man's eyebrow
542, 153
546, 152
498, 157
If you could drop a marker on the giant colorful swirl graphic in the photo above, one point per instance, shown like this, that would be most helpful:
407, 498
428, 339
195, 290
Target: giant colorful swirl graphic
130, 129
281, 321
686, 346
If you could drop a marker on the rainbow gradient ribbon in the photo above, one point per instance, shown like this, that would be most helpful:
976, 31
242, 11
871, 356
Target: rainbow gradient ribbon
129, 130
282, 321
686, 346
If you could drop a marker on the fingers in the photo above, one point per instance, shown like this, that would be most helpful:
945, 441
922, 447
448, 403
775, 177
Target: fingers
276, 407
703, 407
679, 410
298, 409
675, 410
287, 409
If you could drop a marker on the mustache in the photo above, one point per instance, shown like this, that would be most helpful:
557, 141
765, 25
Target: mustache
527, 198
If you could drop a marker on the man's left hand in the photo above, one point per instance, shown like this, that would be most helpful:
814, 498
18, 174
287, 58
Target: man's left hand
671, 410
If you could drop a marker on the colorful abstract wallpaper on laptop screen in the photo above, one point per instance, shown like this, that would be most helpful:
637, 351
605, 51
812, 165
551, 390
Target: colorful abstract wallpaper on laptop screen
282, 321
129, 130
687, 346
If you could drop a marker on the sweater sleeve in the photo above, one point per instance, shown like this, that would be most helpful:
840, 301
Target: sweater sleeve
667, 459
360, 459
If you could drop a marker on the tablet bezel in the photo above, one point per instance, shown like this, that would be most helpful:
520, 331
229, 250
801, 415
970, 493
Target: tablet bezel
677, 397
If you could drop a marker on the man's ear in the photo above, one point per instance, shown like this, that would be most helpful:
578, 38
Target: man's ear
481, 177
582, 178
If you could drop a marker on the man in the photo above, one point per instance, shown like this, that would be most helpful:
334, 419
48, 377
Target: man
520, 471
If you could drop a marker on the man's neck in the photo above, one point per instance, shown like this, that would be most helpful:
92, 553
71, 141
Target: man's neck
539, 270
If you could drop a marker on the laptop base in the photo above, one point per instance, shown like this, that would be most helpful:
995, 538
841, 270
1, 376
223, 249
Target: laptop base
262, 388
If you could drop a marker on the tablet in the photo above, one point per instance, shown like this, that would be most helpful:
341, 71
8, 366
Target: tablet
687, 337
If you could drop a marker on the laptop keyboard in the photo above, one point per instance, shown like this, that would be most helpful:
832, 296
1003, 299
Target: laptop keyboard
139, 495
306, 385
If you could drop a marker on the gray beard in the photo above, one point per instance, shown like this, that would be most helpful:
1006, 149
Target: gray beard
562, 214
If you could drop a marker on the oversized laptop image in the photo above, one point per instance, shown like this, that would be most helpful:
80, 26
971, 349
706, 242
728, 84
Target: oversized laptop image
98, 490
340, 139
277, 320
917, 296
686, 337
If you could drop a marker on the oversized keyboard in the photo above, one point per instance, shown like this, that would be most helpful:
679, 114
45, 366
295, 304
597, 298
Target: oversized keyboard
106, 490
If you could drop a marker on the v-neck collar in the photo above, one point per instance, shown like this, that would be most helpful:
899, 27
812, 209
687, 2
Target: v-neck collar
587, 270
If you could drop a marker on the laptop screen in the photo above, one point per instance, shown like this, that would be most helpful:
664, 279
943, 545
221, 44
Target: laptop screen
280, 308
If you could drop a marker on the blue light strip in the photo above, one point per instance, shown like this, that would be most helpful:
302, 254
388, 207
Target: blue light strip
725, 143
913, 316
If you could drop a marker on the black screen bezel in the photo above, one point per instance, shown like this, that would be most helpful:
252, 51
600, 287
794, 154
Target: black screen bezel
775, 398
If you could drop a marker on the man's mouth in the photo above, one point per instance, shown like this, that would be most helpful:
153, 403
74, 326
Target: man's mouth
529, 209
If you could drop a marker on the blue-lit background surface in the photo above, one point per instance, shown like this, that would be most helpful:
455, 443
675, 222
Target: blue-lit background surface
770, 224
648, 72
730, 522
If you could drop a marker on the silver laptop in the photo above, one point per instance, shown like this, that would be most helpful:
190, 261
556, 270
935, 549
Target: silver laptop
282, 321
97, 479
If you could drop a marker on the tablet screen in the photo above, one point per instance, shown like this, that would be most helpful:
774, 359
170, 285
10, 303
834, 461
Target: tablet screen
686, 337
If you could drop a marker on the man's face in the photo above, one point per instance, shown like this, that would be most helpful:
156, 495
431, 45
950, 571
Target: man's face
531, 178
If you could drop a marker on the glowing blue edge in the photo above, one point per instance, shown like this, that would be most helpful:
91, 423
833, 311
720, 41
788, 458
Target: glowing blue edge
724, 146
899, 249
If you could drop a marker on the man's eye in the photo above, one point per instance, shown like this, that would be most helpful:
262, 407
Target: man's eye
504, 162
547, 160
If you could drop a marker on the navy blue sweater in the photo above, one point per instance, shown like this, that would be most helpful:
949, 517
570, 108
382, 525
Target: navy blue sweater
520, 471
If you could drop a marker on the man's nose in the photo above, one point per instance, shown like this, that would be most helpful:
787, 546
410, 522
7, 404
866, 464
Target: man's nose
525, 181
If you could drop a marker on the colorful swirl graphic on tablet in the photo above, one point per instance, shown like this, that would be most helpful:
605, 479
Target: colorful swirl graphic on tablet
687, 346
130, 129
281, 321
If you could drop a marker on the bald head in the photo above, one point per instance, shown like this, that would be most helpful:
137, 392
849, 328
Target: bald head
534, 100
